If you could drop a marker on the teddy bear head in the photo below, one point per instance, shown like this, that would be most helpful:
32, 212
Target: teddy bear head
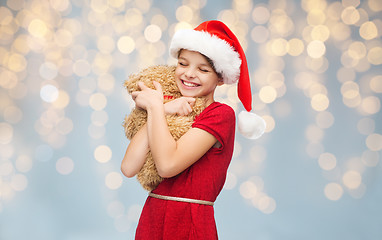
161, 73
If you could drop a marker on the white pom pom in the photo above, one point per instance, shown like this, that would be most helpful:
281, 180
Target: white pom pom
251, 125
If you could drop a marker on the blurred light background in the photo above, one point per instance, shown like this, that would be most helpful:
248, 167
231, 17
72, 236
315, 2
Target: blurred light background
317, 80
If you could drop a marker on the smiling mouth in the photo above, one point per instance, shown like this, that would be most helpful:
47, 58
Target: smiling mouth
190, 84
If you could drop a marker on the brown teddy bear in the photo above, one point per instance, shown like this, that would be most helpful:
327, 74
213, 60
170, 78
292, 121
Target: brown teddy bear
178, 125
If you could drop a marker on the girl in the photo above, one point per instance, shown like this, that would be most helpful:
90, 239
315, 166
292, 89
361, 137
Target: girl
194, 167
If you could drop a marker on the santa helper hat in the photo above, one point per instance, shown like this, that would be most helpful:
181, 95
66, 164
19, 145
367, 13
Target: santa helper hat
216, 41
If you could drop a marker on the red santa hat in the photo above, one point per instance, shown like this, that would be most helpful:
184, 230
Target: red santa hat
216, 41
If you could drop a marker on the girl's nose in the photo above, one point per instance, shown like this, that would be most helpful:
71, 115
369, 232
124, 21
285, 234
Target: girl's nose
190, 73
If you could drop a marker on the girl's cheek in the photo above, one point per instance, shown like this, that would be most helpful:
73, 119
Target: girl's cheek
178, 69
178, 72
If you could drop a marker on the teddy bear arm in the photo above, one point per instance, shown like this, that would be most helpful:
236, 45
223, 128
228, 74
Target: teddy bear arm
134, 122
148, 176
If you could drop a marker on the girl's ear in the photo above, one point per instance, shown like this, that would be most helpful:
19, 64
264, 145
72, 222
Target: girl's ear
220, 82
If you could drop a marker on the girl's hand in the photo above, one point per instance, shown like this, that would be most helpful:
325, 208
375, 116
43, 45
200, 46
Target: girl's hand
181, 106
147, 97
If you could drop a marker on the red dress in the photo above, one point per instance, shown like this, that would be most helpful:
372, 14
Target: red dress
167, 220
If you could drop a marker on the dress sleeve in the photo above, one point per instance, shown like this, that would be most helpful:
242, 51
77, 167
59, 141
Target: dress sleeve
218, 120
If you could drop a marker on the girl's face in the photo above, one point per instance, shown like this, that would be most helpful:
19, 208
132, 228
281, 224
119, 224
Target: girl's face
195, 77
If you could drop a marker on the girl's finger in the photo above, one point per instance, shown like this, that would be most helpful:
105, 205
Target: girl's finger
157, 86
190, 100
183, 111
186, 109
189, 109
142, 86
134, 94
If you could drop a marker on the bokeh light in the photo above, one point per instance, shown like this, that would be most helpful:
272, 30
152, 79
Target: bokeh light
320, 102
374, 142
333, 191
325, 119
368, 31
113, 180
316, 49
126, 44
19, 182
352, 179
370, 158
327, 161
64, 165
6, 133
24, 163
102, 154
98, 101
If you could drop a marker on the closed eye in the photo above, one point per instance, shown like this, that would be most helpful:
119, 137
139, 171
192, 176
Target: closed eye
204, 70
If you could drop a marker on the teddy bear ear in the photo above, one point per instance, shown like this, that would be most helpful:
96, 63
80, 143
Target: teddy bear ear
131, 82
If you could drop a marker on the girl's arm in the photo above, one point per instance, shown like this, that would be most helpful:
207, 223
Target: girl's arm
171, 157
136, 153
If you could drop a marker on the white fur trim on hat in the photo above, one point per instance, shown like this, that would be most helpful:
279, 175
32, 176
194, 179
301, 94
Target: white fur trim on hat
251, 125
226, 60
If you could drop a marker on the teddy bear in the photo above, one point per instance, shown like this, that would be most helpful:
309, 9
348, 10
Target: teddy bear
178, 125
